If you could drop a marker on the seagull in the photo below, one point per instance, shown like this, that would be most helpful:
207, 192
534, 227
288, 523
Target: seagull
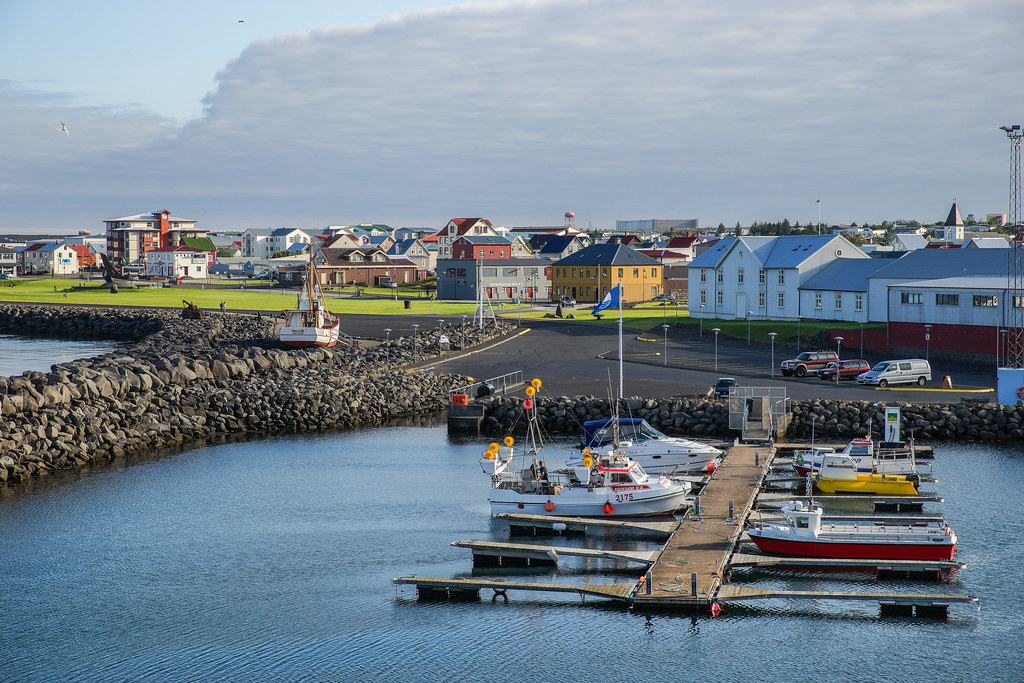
63, 129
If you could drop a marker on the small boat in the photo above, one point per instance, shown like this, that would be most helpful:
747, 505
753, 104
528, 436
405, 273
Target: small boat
310, 323
804, 535
838, 474
609, 485
883, 459
655, 451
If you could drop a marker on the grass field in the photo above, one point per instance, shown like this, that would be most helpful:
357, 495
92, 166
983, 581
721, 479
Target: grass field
381, 301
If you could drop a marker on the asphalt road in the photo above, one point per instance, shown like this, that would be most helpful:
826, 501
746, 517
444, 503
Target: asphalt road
582, 359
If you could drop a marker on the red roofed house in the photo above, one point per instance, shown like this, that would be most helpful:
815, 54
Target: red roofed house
456, 228
86, 255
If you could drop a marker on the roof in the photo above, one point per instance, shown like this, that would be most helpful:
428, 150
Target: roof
926, 263
486, 239
682, 241
912, 241
786, 251
954, 216
959, 282
537, 242
283, 232
664, 253
986, 243
152, 216
607, 255
844, 275
402, 246
201, 243
557, 244
403, 262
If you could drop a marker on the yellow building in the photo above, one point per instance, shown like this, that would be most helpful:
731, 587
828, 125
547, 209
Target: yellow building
588, 274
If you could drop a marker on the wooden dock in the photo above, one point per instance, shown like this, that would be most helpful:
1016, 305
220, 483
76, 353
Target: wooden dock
496, 554
913, 566
468, 589
553, 524
703, 542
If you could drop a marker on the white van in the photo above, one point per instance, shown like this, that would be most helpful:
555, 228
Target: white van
897, 372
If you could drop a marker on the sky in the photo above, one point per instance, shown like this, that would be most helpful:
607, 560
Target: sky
406, 112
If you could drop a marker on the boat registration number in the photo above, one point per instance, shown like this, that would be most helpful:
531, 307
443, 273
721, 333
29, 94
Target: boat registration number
621, 497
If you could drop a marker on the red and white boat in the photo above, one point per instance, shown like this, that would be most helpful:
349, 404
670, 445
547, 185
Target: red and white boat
806, 536
310, 323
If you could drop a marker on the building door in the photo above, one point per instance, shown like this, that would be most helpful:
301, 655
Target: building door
741, 305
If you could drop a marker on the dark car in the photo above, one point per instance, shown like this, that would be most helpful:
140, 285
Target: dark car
723, 385
848, 369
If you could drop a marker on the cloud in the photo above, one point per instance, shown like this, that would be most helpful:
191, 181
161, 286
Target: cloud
519, 111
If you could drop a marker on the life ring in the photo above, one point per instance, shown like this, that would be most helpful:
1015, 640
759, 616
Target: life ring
528, 404
509, 441
549, 506
1020, 392
608, 509
588, 462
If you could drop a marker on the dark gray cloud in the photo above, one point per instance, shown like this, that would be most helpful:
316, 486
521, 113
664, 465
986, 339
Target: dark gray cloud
519, 111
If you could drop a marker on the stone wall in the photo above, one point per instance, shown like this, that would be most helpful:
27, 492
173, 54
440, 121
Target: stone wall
185, 381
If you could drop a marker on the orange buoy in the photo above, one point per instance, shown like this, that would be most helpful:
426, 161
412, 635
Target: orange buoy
715, 609
711, 468
608, 509
509, 440
549, 506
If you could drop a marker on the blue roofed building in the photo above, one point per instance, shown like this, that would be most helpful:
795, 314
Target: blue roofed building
839, 291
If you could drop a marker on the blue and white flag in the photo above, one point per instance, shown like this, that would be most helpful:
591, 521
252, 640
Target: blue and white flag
610, 300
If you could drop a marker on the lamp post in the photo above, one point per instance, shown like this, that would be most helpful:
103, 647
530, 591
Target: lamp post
701, 317
463, 331
861, 340
1002, 347
749, 313
798, 319
664, 327
819, 214
387, 345
838, 341
716, 331
772, 335
415, 348
927, 339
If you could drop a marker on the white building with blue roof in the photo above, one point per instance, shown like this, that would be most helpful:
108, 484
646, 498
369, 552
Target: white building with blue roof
839, 291
760, 276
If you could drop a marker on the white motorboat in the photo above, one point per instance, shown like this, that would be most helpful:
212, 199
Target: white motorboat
868, 458
653, 450
610, 485
310, 323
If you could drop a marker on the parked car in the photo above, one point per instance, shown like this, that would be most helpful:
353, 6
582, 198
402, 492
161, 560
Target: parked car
906, 371
567, 301
388, 283
723, 385
848, 369
665, 297
6, 276
808, 362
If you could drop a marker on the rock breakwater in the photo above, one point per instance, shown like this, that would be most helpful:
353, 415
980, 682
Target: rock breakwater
186, 381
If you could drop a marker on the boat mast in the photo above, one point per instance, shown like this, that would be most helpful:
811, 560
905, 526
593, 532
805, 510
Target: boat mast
620, 339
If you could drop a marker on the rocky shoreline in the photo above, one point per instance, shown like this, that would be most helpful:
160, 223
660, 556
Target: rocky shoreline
184, 382
709, 417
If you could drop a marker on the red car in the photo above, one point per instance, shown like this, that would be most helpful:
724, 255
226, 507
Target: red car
848, 369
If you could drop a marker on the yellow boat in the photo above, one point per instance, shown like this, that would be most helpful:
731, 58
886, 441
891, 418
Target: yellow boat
838, 474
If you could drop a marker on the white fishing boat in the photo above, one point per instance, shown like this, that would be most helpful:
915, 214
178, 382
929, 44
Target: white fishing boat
653, 450
867, 457
310, 323
609, 485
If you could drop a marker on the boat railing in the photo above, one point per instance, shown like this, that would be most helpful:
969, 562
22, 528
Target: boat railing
501, 383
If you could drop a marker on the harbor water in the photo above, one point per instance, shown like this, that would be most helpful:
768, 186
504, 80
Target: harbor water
18, 354
272, 559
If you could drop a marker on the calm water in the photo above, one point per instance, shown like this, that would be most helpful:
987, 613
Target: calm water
18, 354
271, 560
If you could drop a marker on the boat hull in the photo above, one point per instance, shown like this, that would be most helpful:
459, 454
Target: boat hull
932, 550
584, 502
871, 485
300, 337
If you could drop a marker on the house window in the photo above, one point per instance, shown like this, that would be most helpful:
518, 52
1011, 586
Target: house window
739, 276
858, 302
703, 297
720, 275
703, 275
490, 252
986, 301
913, 298
719, 299
760, 276
947, 299
1018, 302
817, 299
782, 276
782, 299
636, 272
760, 299
620, 273
588, 273
839, 301
654, 272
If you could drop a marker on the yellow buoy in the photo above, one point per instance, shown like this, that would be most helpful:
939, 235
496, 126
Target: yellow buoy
489, 455
494, 446
509, 441
535, 384
588, 461
530, 391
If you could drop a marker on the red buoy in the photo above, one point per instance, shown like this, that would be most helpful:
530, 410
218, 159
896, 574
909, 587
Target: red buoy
528, 404
608, 509
521, 506
549, 506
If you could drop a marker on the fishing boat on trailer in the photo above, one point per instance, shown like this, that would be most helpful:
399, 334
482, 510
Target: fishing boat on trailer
655, 451
609, 485
310, 323
804, 535
886, 458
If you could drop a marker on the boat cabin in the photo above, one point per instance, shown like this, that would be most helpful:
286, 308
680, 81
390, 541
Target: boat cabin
804, 520
598, 433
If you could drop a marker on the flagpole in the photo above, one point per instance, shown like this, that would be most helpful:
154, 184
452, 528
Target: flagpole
620, 339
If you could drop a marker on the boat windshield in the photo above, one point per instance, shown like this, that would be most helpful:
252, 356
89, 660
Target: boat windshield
638, 433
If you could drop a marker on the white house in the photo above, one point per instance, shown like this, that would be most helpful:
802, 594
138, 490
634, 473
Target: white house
177, 262
265, 242
49, 257
760, 276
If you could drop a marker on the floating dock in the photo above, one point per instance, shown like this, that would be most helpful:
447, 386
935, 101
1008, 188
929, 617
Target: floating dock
549, 525
496, 554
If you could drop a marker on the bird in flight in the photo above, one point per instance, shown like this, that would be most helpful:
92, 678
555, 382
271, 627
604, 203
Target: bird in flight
63, 129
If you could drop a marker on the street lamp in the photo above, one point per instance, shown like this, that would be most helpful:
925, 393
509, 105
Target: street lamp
798, 319
415, 348
387, 345
463, 331
772, 335
861, 340
839, 342
749, 313
664, 327
701, 317
927, 339
716, 331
